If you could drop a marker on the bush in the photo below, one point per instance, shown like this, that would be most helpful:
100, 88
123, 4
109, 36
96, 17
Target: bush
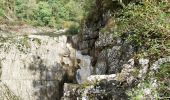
50, 13
163, 78
73, 29
43, 13
1, 12
146, 25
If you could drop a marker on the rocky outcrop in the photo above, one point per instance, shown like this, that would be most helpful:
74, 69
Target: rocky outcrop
116, 86
107, 53
104, 87
90, 66
103, 90
35, 67
114, 71
32, 66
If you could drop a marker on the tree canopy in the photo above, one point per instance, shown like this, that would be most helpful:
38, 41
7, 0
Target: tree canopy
52, 13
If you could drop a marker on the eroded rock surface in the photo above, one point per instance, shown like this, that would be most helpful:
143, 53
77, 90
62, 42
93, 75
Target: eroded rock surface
35, 67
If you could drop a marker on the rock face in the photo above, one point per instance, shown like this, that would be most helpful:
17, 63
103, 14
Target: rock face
111, 72
103, 90
111, 54
115, 86
103, 87
90, 66
35, 67
108, 54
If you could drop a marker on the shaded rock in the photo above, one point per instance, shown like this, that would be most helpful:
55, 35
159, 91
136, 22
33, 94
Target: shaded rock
111, 59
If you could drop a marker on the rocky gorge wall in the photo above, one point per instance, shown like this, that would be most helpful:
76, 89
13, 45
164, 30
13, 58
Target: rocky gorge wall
92, 65
116, 71
35, 67
107, 52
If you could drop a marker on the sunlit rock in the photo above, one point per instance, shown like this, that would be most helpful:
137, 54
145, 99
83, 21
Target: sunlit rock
35, 67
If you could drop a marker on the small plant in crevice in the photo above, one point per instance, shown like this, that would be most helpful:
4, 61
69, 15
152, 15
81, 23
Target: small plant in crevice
73, 30
22, 44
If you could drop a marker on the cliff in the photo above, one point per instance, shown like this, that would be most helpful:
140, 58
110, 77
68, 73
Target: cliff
122, 52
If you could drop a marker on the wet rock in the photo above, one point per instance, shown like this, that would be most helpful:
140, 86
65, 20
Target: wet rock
85, 69
101, 64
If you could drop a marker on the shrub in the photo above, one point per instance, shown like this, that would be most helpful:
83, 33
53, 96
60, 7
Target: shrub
163, 78
43, 13
73, 29
1, 12
146, 25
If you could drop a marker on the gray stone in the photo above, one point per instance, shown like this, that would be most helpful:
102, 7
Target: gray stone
84, 45
105, 39
34, 67
99, 87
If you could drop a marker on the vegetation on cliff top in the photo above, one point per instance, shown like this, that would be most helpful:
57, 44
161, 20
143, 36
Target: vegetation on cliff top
146, 25
52, 13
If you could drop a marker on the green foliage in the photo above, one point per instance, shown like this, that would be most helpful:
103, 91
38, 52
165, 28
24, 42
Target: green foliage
43, 13
87, 6
1, 12
163, 78
51, 13
140, 92
159, 91
23, 9
146, 25
73, 29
